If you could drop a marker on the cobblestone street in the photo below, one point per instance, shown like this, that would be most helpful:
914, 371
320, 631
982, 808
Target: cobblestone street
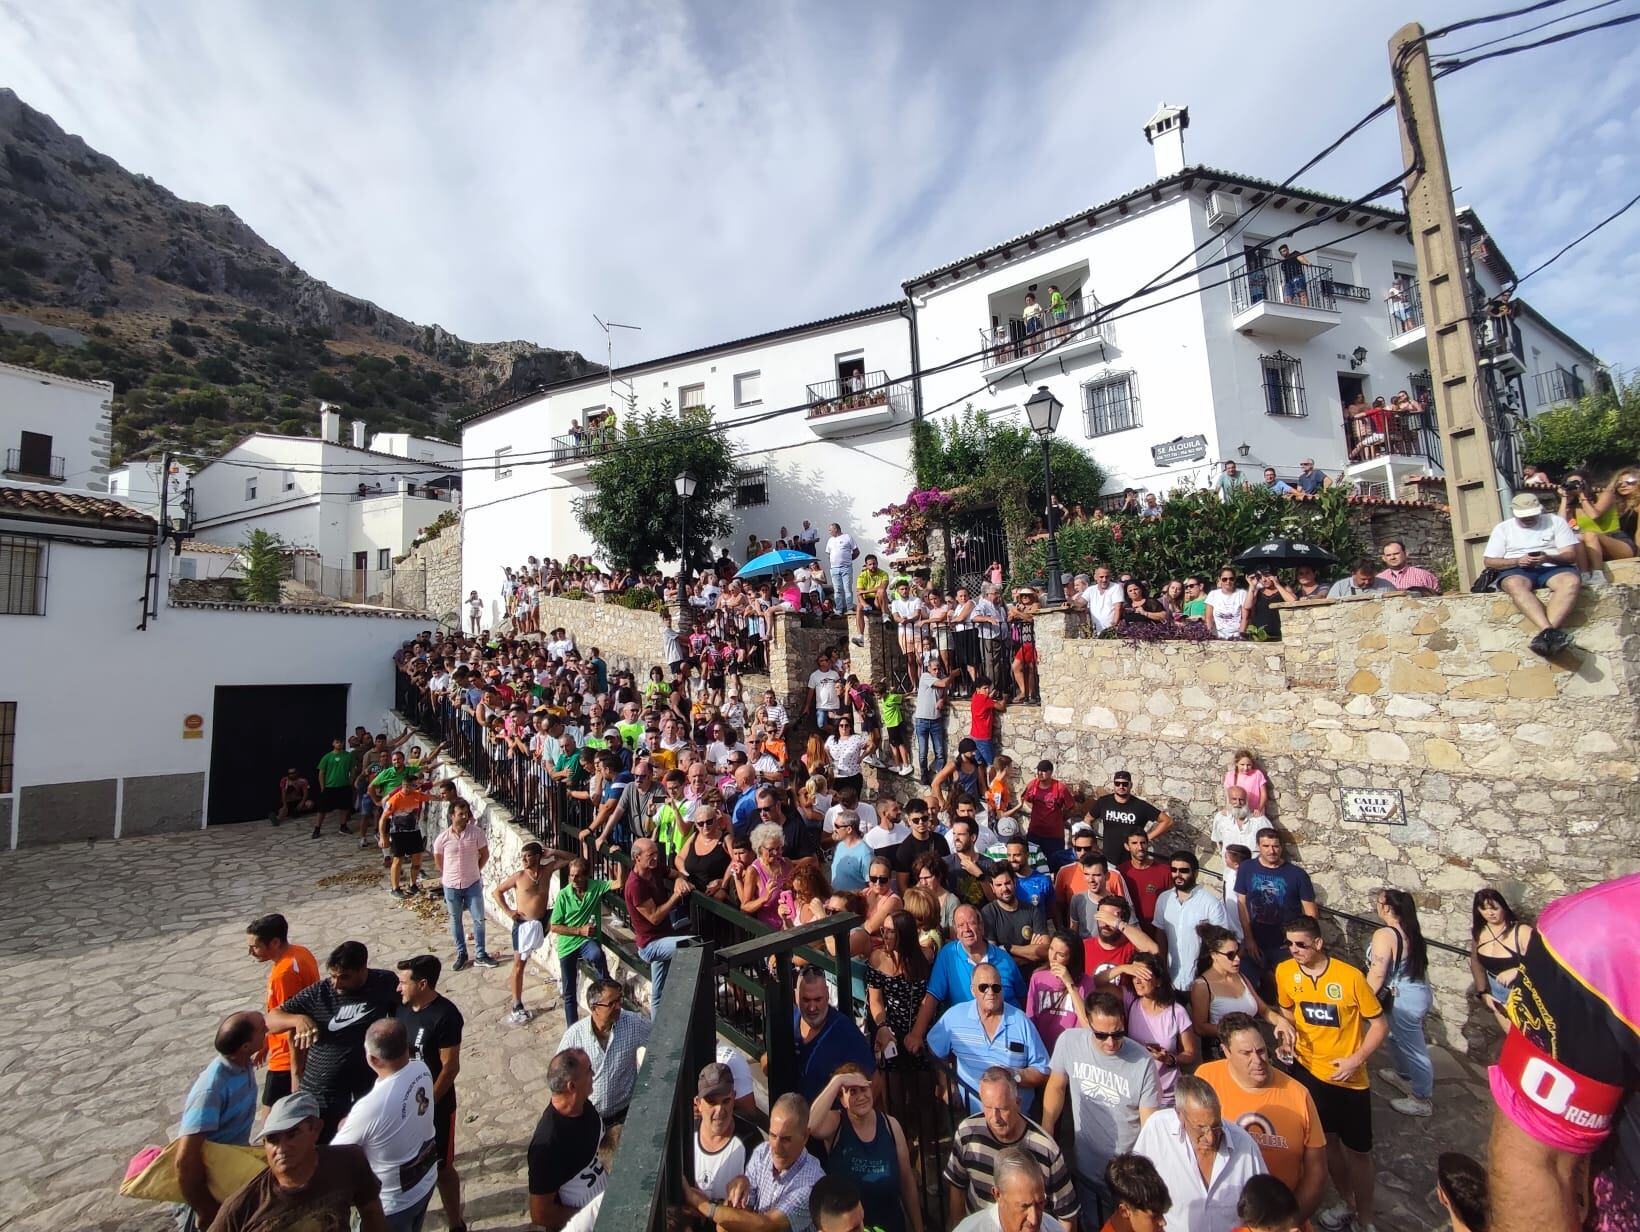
120, 959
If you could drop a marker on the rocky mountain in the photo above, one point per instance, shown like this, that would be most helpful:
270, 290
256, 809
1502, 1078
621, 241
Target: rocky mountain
207, 331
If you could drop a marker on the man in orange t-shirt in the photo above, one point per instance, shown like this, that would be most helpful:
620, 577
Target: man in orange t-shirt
1086, 874
293, 969
1274, 1108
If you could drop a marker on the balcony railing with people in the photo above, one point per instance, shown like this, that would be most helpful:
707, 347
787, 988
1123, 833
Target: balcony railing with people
572, 447
24, 464
965, 655
1405, 305
1406, 434
857, 393
1017, 337
1295, 283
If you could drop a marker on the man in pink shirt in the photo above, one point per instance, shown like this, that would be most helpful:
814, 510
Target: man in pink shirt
1403, 576
460, 852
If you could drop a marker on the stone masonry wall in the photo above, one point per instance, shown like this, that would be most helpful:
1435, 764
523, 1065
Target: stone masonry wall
627, 638
1515, 772
1425, 529
440, 560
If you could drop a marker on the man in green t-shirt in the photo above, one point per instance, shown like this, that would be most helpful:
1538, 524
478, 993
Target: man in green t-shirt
871, 588
573, 924
891, 708
631, 726
337, 770
1195, 599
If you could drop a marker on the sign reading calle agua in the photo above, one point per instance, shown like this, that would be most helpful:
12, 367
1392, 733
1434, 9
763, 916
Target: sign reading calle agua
1375, 805
1179, 449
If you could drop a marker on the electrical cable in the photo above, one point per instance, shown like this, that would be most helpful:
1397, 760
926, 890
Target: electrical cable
1447, 67
1504, 38
1609, 218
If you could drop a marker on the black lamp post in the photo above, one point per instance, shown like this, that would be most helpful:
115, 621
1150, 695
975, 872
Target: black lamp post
685, 484
1042, 410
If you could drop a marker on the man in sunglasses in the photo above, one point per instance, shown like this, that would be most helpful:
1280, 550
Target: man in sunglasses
1088, 873
1339, 1024
1109, 1082
987, 1031
1180, 912
951, 980
1119, 813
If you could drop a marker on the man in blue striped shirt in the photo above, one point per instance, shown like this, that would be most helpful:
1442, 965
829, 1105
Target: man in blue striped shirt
221, 1106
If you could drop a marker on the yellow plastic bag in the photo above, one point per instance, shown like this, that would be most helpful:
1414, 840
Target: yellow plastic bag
152, 1173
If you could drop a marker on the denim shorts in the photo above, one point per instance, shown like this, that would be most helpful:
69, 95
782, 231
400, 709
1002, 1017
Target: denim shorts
1538, 575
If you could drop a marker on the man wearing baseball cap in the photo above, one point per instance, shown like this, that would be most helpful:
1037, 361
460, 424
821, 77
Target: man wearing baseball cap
305, 1185
720, 1156
1532, 551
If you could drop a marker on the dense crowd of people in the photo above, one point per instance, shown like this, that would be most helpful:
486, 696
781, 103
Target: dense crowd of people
1129, 1041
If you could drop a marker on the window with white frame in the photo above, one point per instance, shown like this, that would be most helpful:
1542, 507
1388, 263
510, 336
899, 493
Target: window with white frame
384, 558
692, 397
1110, 404
250, 488
748, 388
23, 575
1283, 385
502, 470
752, 487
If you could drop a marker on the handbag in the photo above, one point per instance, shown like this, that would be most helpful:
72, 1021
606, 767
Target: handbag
152, 1172
1485, 581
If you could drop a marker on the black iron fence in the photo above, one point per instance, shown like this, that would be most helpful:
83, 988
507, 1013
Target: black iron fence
1298, 283
1405, 304
966, 653
1011, 338
1403, 435
857, 392
572, 448
26, 464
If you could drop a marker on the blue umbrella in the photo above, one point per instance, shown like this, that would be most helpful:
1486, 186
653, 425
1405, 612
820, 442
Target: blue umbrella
781, 560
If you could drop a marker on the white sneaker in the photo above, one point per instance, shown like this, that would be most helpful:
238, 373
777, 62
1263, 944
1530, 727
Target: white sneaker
519, 1016
1336, 1217
1595, 578
872, 760
1412, 1106
1390, 1077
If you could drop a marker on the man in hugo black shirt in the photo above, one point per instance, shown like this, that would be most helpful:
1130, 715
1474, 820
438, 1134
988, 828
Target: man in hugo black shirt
328, 1019
1120, 813
433, 1025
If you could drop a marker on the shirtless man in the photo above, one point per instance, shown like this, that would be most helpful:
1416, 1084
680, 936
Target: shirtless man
531, 890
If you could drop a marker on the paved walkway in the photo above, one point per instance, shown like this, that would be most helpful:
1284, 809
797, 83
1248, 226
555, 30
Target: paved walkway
120, 959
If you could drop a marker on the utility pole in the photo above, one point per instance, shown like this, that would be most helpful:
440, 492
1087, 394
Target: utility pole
1462, 397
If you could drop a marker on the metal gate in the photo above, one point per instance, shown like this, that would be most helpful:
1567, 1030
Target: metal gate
974, 543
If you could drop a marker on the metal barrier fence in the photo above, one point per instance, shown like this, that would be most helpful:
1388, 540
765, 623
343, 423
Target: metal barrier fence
966, 654
396, 588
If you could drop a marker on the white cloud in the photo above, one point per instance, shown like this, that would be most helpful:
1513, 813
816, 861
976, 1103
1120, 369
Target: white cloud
713, 170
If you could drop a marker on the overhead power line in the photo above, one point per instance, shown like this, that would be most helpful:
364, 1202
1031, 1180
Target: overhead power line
1612, 217
1542, 25
1446, 67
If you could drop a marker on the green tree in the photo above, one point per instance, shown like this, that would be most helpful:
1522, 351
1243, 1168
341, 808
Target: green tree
263, 567
1600, 431
634, 515
1001, 465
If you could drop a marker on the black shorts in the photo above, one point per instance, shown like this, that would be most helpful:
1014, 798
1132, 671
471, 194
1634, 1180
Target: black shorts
1346, 1113
444, 1133
406, 843
336, 800
275, 1086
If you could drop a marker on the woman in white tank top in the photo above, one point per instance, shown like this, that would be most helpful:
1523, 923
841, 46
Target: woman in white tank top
1220, 988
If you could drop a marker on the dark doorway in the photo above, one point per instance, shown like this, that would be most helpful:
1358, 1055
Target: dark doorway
258, 732
1349, 387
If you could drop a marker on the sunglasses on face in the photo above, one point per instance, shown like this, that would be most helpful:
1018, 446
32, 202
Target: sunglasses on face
988, 987
1301, 945
1083, 847
1118, 1034
878, 880
1229, 955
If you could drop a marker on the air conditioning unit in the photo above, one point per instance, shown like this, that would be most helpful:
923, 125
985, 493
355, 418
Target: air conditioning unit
1222, 209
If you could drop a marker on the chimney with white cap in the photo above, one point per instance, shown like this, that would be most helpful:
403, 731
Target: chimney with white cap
358, 434
1165, 132
330, 422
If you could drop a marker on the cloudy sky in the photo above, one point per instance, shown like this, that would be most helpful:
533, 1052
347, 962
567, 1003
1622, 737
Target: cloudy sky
711, 170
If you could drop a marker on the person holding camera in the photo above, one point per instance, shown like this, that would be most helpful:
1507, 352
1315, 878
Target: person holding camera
1531, 551
1594, 516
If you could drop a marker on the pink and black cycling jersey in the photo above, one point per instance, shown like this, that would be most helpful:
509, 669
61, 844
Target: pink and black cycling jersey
1570, 1066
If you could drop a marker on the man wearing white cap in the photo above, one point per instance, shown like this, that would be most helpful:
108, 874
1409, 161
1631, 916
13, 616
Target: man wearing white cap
1534, 550
305, 1185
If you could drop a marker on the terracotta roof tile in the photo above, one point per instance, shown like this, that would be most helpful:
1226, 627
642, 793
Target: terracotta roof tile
82, 506
213, 549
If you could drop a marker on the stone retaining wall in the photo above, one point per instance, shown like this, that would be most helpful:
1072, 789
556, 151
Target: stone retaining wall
1515, 772
627, 638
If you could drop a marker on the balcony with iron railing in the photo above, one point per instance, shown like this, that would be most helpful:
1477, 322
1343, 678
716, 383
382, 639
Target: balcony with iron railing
1405, 307
1291, 300
1558, 385
573, 454
1501, 344
1075, 331
39, 468
864, 400
1388, 449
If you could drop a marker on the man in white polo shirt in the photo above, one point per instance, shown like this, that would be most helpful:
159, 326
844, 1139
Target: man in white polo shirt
393, 1124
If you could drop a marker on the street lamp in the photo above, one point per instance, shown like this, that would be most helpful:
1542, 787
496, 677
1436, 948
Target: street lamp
1042, 410
685, 484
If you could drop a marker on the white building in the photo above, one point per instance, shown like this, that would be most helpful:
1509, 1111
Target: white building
54, 430
358, 506
197, 715
842, 459
137, 484
1256, 368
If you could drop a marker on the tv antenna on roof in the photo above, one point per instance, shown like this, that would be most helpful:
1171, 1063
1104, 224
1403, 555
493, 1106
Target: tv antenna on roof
609, 347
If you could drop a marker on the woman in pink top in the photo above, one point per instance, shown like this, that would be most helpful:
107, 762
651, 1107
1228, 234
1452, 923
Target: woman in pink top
1156, 1019
1244, 773
1056, 998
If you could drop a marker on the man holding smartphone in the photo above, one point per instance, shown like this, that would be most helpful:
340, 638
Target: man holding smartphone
1534, 550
